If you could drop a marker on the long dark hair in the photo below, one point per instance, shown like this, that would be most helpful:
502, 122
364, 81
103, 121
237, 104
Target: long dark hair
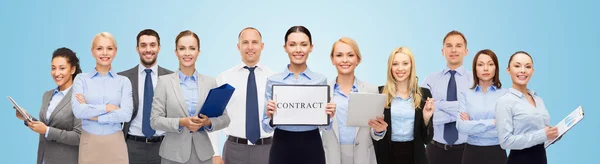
71, 59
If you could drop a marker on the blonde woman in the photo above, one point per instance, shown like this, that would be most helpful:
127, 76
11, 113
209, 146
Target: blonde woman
349, 145
102, 100
408, 111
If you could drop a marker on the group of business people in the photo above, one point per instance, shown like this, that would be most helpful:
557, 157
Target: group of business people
149, 114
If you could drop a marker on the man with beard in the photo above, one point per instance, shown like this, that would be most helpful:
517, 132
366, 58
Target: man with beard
143, 142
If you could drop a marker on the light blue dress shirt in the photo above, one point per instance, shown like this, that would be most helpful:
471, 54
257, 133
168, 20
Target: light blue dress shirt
98, 91
346, 134
189, 88
57, 96
287, 77
481, 108
446, 111
403, 119
521, 125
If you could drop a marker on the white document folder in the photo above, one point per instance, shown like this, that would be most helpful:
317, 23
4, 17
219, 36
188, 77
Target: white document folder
567, 123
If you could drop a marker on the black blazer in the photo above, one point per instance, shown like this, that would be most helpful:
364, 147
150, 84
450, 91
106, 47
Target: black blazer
422, 135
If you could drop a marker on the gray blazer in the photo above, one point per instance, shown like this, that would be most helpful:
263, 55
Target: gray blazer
62, 144
364, 152
132, 74
168, 106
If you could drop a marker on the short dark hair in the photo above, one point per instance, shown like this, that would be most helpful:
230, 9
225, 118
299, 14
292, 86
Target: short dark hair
300, 29
149, 32
71, 59
496, 79
186, 33
249, 28
454, 32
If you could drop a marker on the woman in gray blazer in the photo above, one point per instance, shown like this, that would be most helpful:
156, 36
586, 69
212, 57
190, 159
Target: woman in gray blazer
59, 130
177, 100
345, 144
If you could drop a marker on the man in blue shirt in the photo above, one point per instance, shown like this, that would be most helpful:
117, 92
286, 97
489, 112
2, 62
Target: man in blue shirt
447, 145
143, 142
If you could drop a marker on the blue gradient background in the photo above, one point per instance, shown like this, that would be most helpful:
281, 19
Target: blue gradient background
560, 35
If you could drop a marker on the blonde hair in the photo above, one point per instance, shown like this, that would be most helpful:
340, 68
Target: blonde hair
104, 35
389, 89
350, 42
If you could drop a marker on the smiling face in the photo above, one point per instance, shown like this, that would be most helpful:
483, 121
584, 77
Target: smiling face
104, 51
148, 49
187, 51
520, 69
401, 67
455, 50
344, 58
61, 71
298, 47
250, 46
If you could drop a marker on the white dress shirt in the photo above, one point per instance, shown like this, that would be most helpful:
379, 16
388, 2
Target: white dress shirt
236, 108
136, 124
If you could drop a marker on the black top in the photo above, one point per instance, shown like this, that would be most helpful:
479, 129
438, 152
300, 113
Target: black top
422, 134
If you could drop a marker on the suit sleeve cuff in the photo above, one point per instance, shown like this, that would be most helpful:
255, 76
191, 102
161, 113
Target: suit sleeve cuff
47, 132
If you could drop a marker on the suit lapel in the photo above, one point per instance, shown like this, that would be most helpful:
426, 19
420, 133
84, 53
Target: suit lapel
133, 77
66, 100
45, 104
335, 124
178, 95
201, 93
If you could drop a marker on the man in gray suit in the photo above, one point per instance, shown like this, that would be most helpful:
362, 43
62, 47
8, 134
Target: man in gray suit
143, 143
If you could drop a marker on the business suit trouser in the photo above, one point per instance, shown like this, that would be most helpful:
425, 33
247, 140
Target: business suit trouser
236, 153
436, 154
193, 158
484, 154
532, 155
142, 152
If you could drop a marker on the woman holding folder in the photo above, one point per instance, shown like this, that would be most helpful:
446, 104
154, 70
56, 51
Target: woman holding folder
476, 107
59, 130
295, 144
408, 111
102, 100
344, 144
176, 105
522, 121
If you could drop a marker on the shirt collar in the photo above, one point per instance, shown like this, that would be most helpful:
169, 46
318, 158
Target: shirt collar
307, 73
183, 77
521, 95
491, 88
354, 88
141, 68
63, 92
460, 70
96, 73
240, 67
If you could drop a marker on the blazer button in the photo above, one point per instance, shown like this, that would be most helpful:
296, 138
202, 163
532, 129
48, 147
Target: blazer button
356, 144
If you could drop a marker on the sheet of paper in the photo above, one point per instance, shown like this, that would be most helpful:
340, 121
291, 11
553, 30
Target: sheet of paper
301, 104
566, 124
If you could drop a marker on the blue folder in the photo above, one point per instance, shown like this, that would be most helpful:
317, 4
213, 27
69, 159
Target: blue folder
216, 101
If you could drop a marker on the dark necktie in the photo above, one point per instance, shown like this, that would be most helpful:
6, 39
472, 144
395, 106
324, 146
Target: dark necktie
148, 93
450, 132
252, 123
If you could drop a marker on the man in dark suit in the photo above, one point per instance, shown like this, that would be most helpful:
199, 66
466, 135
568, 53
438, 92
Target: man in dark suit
143, 142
